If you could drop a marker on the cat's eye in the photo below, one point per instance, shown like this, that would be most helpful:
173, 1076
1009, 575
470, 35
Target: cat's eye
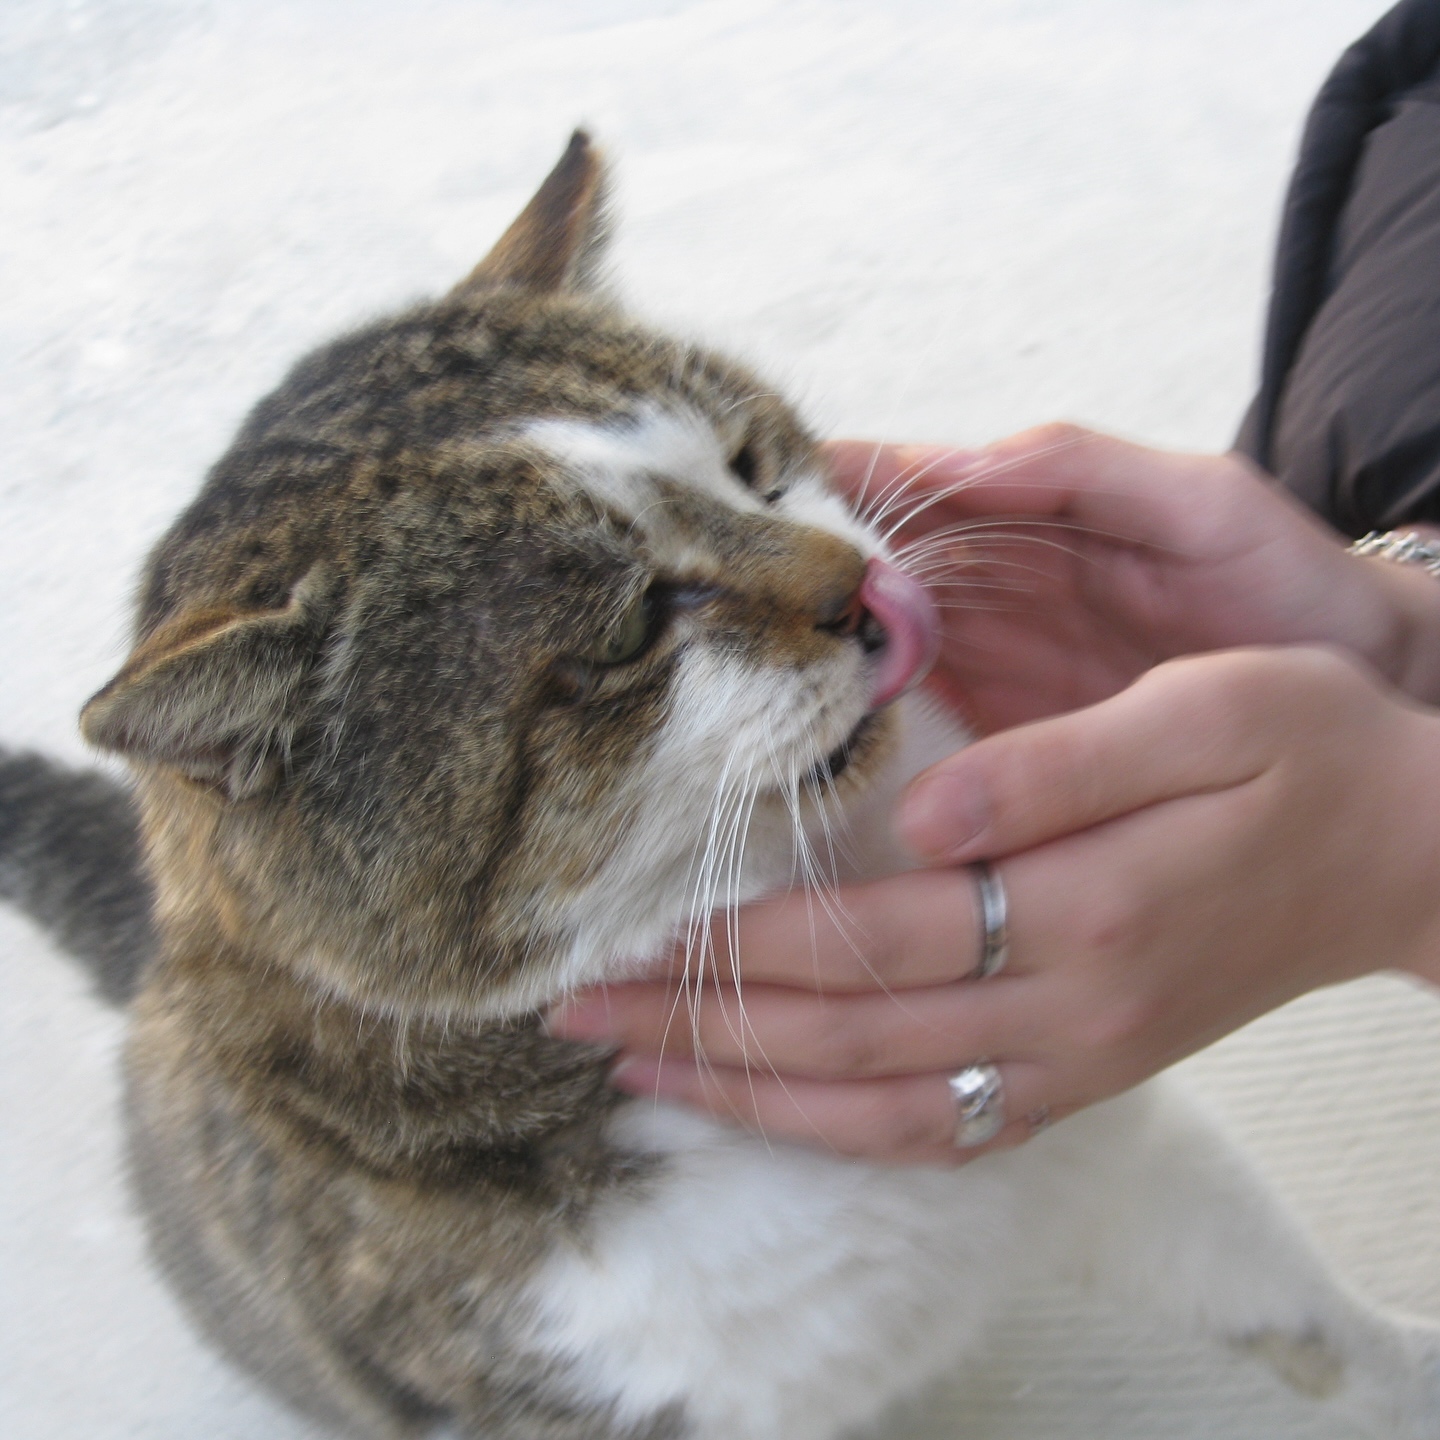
745, 465
630, 636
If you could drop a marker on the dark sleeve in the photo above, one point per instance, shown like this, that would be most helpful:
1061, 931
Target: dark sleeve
1348, 412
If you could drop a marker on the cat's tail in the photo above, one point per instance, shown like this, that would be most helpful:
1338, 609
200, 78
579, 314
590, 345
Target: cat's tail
70, 859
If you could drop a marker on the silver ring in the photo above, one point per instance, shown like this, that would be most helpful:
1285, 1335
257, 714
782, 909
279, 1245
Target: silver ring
994, 922
979, 1096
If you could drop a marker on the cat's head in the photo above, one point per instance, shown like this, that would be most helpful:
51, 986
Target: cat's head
507, 636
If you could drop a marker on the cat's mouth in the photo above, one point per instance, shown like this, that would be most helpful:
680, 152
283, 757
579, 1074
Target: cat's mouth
838, 760
897, 624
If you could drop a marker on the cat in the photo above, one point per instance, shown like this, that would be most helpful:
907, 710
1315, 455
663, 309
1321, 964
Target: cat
449, 695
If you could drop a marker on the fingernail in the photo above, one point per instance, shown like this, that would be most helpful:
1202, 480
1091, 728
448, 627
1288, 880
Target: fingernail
935, 463
638, 1075
586, 1019
942, 818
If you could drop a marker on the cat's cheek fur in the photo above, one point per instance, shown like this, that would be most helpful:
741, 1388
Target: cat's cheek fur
811, 501
731, 730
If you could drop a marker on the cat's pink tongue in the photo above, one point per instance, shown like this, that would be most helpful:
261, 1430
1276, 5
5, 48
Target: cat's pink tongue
912, 630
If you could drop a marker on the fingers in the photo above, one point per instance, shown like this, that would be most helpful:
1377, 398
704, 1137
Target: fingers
916, 929
805, 1036
1189, 727
905, 1120
1129, 492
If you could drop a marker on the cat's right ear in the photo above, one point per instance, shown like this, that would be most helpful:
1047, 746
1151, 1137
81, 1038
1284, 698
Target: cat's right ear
216, 695
558, 239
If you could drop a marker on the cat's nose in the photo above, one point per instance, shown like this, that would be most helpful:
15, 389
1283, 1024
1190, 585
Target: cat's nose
851, 617
842, 614
894, 619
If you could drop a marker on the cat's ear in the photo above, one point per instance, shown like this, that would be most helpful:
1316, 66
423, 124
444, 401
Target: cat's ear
216, 694
557, 241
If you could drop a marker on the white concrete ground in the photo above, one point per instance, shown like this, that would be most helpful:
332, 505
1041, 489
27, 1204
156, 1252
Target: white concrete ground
928, 218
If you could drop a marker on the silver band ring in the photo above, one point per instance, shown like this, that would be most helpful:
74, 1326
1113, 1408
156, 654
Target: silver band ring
994, 922
979, 1096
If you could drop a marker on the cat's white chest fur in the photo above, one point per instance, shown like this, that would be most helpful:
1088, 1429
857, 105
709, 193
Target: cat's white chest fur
779, 1293
773, 1292
787, 1295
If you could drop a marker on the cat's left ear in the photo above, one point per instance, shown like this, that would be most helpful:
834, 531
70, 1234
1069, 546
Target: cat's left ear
557, 241
217, 694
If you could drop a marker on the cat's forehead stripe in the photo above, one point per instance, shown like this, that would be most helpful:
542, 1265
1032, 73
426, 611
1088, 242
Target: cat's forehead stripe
619, 465
618, 462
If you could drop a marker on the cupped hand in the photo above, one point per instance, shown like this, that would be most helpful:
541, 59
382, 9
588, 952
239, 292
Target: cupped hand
1224, 834
1067, 563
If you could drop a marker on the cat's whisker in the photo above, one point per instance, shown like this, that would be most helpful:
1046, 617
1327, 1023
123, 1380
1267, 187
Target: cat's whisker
1009, 527
942, 577
928, 498
861, 502
894, 490
749, 398
727, 818
703, 901
739, 1026
810, 891
812, 882
902, 486
727, 871
634, 528
746, 1031
919, 358
826, 890
901, 481
941, 561
942, 567
977, 608
822, 791
818, 886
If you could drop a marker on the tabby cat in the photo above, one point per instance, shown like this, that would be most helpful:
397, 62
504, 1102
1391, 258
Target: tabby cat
449, 694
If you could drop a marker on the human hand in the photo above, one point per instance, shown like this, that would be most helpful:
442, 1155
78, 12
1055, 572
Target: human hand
1068, 563
1228, 832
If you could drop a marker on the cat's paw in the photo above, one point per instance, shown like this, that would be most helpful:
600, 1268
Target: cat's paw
1307, 1363
1389, 1382
1400, 1399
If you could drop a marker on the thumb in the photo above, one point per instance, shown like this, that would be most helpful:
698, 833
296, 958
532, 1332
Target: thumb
1183, 728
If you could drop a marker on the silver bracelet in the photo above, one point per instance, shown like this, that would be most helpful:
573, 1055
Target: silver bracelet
1403, 546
